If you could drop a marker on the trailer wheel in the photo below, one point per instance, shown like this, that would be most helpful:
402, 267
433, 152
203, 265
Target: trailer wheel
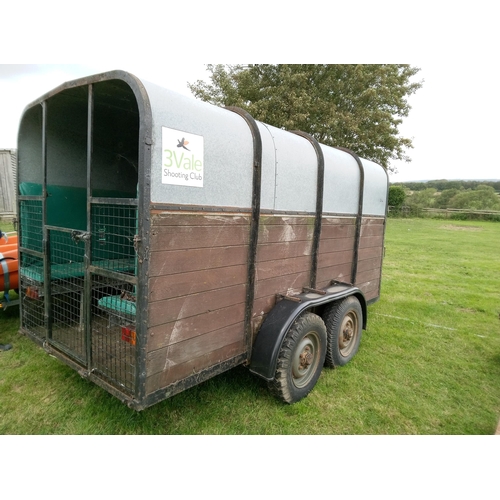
300, 359
343, 320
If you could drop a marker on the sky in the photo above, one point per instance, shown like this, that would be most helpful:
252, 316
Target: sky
452, 121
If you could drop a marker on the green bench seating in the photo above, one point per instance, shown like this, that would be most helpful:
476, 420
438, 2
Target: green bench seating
67, 209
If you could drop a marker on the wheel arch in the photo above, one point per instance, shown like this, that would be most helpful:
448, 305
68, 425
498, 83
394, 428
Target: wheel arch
280, 319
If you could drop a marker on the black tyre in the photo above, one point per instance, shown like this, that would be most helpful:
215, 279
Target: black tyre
344, 323
300, 360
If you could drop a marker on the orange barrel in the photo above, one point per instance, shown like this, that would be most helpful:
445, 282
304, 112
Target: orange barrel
9, 272
8, 239
8, 247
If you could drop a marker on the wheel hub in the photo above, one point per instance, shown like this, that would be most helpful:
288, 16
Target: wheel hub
348, 332
349, 328
306, 358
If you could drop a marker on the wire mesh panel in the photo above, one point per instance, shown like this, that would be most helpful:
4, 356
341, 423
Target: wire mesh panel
32, 295
31, 230
113, 228
114, 331
31, 268
113, 232
66, 290
110, 330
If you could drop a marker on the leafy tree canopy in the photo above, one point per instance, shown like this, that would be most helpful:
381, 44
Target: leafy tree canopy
422, 199
359, 107
443, 200
443, 184
397, 196
481, 198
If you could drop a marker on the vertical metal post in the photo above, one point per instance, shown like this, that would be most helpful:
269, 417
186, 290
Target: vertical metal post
254, 222
17, 226
383, 236
359, 217
319, 204
87, 287
45, 231
142, 250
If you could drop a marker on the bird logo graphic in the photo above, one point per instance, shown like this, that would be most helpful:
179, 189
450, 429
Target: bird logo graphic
182, 144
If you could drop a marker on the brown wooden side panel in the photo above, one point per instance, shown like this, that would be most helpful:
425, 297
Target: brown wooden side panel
196, 259
189, 237
283, 267
175, 309
265, 299
197, 293
370, 257
283, 261
368, 264
371, 290
161, 336
182, 352
336, 250
164, 218
195, 282
283, 250
372, 227
175, 373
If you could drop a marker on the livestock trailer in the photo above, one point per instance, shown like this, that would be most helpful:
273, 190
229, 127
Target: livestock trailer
164, 240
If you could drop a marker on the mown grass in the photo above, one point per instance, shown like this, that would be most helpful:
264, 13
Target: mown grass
429, 362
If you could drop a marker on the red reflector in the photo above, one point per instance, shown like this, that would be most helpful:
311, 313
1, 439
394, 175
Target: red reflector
128, 335
32, 292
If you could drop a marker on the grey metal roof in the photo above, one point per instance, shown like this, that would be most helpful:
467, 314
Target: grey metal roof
220, 174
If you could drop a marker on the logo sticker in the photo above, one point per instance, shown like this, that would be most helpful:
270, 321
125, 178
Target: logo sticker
182, 158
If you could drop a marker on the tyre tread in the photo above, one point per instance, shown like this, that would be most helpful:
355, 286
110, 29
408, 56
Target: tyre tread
280, 386
333, 317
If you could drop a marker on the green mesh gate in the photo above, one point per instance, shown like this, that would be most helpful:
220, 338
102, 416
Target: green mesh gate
112, 285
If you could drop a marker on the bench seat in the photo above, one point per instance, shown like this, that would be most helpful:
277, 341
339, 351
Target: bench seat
76, 269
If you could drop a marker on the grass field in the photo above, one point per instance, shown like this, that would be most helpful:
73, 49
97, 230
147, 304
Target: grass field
429, 362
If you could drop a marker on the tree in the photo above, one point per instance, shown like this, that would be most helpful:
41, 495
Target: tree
422, 199
443, 200
359, 107
397, 196
481, 198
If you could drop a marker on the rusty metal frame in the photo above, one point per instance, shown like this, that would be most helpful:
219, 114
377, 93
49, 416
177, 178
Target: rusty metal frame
319, 204
359, 216
254, 222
